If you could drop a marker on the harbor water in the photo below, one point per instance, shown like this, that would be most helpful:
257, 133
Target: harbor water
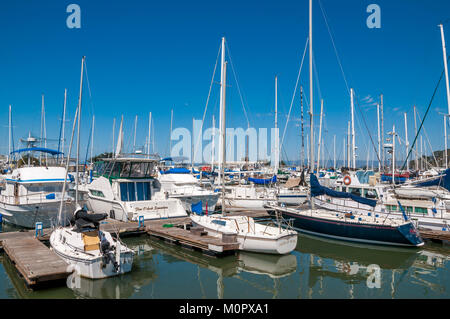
318, 268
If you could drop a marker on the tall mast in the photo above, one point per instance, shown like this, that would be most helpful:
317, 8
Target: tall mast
222, 134
320, 135
78, 132
311, 100
393, 154
382, 132
134, 140
192, 145
353, 131
379, 137
9, 133
170, 133
63, 122
92, 137
415, 129
444, 52
334, 152
302, 156
445, 142
222, 113
213, 142
348, 144
149, 132
277, 149
406, 141
113, 137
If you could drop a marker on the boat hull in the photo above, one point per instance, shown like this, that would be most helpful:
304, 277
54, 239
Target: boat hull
28, 215
404, 235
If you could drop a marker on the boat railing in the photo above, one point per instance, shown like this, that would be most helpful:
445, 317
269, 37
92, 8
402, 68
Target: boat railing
35, 198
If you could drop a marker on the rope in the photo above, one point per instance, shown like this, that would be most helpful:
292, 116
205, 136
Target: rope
428, 109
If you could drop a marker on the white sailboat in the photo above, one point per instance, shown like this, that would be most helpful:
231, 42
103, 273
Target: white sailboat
91, 253
251, 236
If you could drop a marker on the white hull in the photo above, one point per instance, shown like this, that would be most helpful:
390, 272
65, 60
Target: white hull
282, 243
28, 215
90, 265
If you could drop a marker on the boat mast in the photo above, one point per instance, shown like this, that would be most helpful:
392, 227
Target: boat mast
170, 133
222, 134
92, 138
348, 144
334, 152
444, 52
134, 140
320, 135
353, 131
113, 138
379, 137
221, 118
302, 155
277, 149
9, 134
213, 141
415, 128
63, 122
406, 142
78, 132
149, 131
311, 101
393, 155
382, 132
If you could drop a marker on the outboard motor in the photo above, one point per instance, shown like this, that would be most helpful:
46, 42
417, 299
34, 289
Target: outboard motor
108, 251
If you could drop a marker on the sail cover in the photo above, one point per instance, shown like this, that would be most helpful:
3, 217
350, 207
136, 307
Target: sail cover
317, 190
263, 181
442, 180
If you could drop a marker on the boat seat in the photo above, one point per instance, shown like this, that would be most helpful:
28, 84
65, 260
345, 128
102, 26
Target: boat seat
91, 240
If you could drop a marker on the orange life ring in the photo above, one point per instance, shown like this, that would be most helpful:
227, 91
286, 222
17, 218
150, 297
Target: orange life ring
347, 180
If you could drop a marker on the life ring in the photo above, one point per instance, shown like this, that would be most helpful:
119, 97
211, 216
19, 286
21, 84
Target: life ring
347, 180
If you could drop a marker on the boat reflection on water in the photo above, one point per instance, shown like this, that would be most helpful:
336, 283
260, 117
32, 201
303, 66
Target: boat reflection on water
274, 266
361, 268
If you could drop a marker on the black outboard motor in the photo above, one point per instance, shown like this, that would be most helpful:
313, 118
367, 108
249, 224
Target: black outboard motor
107, 251
83, 220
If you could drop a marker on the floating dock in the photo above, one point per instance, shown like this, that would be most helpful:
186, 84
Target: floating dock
435, 235
40, 266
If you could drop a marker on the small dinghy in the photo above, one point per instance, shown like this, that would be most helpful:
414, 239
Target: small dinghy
250, 235
92, 253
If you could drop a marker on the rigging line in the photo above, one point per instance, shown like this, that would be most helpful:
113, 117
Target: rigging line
334, 46
428, 109
207, 102
295, 90
237, 84
428, 140
89, 88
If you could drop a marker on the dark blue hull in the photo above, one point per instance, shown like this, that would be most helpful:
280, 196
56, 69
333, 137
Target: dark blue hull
404, 235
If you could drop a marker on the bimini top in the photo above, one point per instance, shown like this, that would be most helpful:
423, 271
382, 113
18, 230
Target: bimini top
37, 149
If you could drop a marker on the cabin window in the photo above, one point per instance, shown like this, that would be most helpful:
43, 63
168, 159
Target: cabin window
127, 192
370, 193
131, 191
143, 190
420, 210
96, 193
355, 191
391, 208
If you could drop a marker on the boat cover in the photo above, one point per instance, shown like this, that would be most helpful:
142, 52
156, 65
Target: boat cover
82, 219
317, 190
176, 170
263, 181
442, 180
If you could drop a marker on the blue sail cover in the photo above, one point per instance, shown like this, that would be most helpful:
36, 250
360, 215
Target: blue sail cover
317, 190
176, 170
263, 181
442, 180
37, 149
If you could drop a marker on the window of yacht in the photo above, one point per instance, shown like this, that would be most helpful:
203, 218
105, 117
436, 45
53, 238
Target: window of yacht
135, 191
370, 193
96, 193
355, 191
44, 188
420, 210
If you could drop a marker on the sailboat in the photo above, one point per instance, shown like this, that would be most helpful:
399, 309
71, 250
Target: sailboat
90, 252
349, 226
250, 235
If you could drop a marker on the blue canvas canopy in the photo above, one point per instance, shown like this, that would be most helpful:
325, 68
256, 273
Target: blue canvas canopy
442, 180
317, 190
37, 149
263, 181
176, 170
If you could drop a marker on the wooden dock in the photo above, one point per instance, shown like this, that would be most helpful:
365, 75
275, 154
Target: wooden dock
39, 265
435, 235
35, 262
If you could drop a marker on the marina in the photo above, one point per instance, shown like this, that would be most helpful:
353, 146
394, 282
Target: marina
309, 186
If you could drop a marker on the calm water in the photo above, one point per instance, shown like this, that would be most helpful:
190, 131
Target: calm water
318, 268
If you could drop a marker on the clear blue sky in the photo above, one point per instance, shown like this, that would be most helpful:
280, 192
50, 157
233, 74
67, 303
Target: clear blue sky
153, 56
